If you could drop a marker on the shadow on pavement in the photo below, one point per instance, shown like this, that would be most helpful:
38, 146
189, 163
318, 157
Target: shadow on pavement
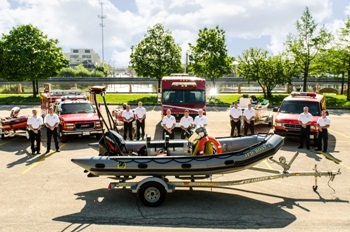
183, 208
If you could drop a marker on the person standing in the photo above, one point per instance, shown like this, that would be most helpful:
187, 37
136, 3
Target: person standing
305, 119
168, 124
186, 123
323, 124
140, 116
200, 119
128, 118
51, 122
249, 118
34, 124
235, 119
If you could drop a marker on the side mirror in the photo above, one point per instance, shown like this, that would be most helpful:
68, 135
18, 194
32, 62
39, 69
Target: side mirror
275, 109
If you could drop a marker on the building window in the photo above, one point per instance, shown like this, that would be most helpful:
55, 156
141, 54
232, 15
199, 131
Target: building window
87, 51
74, 56
86, 56
75, 51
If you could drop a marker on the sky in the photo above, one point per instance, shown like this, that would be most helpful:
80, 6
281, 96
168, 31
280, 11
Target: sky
247, 23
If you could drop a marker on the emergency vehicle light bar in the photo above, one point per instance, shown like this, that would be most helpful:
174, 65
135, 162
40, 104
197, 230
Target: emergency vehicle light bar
303, 94
73, 98
184, 84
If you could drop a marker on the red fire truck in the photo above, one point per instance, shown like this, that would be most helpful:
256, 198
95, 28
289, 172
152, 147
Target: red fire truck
180, 92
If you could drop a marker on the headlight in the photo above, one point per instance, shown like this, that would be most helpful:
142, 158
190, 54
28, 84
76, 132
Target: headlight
279, 124
313, 128
98, 124
69, 126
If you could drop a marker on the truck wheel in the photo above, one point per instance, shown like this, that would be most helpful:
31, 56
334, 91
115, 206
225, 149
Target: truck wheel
2, 135
61, 136
152, 194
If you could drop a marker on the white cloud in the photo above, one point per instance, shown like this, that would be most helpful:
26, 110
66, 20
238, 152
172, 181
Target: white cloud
75, 23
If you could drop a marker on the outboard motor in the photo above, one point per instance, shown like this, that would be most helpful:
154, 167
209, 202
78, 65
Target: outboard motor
112, 143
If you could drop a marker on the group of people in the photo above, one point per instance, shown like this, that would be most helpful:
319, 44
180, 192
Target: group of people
323, 124
186, 123
237, 114
35, 123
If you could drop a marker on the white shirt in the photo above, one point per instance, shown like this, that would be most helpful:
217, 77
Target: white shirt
249, 113
186, 122
127, 114
236, 112
140, 112
35, 122
323, 121
200, 120
305, 118
169, 121
51, 120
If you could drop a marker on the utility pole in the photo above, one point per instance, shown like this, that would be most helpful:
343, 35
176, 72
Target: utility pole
102, 17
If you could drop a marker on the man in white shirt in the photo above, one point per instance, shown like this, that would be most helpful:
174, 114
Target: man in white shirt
249, 118
305, 119
51, 122
323, 124
140, 116
186, 123
235, 119
34, 124
200, 119
168, 124
128, 118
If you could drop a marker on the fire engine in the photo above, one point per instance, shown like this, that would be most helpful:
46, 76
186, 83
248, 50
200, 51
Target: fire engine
286, 120
180, 92
76, 113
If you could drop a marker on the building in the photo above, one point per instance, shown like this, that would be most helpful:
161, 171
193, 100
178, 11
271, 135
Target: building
87, 57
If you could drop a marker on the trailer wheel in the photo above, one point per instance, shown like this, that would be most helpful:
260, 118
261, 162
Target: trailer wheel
2, 135
61, 136
152, 194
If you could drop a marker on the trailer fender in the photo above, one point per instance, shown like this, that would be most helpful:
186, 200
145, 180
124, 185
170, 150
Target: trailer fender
168, 188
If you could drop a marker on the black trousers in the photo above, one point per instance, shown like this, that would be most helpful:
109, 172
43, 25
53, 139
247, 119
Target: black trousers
51, 133
35, 140
140, 125
305, 136
249, 126
323, 138
235, 125
128, 129
171, 136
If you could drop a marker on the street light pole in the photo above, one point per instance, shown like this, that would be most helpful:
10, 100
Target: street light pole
102, 25
186, 68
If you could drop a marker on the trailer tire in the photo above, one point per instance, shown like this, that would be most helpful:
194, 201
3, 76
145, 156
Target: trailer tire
2, 135
152, 194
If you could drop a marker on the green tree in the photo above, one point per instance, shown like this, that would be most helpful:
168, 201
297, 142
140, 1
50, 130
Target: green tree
344, 51
268, 72
208, 58
307, 44
28, 55
156, 55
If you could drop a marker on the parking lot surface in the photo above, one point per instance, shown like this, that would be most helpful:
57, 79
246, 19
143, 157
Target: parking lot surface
48, 192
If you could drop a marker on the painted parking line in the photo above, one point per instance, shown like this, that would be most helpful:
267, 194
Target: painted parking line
39, 161
333, 131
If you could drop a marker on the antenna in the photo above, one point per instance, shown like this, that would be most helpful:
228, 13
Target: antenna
102, 17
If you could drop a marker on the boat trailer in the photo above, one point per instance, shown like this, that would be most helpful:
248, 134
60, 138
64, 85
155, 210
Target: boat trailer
152, 190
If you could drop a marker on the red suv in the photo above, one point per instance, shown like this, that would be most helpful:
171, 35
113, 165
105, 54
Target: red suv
286, 121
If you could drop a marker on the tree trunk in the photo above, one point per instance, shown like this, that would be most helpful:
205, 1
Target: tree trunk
305, 81
158, 87
33, 85
342, 83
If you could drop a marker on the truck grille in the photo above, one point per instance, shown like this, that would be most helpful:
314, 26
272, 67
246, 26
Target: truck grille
292, 127
84, 125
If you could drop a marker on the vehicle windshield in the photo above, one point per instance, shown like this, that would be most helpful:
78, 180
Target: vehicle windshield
77, 108
296, 107
183, 96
